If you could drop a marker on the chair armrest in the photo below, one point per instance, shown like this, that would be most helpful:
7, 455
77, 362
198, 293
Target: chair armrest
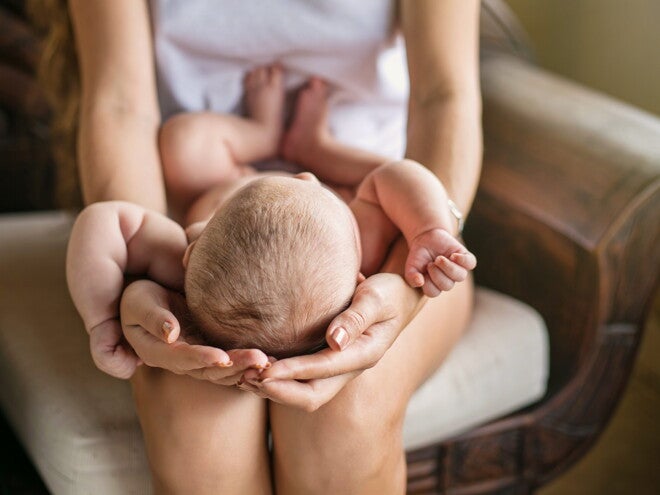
567, 213
566, 218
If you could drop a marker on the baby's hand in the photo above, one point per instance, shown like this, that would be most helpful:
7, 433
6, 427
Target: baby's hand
437, 261
110, 351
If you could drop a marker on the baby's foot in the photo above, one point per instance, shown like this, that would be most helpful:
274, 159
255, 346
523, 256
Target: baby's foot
309, 127
264, 96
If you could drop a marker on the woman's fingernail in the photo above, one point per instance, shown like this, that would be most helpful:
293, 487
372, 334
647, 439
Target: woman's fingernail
340, 336
224, 364
267, 365
167, 329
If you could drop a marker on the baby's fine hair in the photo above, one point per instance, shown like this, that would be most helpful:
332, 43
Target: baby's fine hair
268, 273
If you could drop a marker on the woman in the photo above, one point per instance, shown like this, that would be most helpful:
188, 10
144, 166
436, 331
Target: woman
335, 417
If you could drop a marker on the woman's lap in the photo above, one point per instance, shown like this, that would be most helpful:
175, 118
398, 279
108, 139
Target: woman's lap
354, 439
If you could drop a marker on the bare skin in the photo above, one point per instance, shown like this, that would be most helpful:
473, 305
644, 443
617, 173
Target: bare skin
359, 410
119, 157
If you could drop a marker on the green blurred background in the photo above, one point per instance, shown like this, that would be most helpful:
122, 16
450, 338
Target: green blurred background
609, 45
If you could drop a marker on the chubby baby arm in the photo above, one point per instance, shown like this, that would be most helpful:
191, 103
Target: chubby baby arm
109, 240
414, 199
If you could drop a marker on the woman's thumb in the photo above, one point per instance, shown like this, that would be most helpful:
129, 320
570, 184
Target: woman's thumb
353, 322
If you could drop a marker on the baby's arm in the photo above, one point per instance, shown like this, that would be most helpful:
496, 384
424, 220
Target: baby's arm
415, 201
112, 239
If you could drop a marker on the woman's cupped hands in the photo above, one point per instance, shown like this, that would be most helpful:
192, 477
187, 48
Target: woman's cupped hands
358, 338
381, 307
153, 332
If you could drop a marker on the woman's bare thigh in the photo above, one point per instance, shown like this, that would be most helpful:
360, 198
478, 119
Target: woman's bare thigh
200, 437
354, 442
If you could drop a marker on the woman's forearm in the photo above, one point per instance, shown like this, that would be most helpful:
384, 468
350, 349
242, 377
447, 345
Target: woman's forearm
119, 159
444, 118
119, 116
444, 134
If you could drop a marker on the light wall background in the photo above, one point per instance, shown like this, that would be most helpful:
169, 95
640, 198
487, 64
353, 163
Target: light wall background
609, 45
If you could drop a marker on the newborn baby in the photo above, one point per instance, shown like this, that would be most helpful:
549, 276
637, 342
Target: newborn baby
273, 266
273, 257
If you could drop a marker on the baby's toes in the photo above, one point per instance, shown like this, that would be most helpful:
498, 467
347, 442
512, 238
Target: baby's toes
274, 74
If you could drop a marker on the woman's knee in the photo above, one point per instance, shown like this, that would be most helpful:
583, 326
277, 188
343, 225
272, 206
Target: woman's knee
201, 438
353, 441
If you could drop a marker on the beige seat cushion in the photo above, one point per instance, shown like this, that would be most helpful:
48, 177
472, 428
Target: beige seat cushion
79, 425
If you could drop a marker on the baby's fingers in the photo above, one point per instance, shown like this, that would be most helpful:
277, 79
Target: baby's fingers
414, 277
454, 271
111, 354
467, 260
437, 281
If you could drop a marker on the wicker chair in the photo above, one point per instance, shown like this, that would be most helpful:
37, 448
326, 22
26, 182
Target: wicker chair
566, 219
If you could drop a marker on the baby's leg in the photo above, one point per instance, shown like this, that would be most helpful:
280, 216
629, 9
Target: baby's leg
200, 150
308, 142
202, 438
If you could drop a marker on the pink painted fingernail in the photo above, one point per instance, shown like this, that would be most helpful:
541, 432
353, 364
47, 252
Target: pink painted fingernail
340, 337
167, 329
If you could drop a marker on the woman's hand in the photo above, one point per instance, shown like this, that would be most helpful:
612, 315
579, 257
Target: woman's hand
152, 329
382, 306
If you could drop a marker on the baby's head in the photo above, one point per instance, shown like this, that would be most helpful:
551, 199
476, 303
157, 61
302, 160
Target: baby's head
277, 262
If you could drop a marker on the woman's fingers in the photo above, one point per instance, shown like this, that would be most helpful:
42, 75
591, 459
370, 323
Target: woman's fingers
369, 306
243, 362
362, 354
178, 357
161, 323
308, 395
147, 304
248, 358
217, 375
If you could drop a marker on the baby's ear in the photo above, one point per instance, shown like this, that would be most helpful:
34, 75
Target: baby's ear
186, 255
194, 230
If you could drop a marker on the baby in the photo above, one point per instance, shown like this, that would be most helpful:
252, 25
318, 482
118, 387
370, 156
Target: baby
273, 257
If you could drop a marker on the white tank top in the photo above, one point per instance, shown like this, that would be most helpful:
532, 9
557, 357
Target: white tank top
204, 49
